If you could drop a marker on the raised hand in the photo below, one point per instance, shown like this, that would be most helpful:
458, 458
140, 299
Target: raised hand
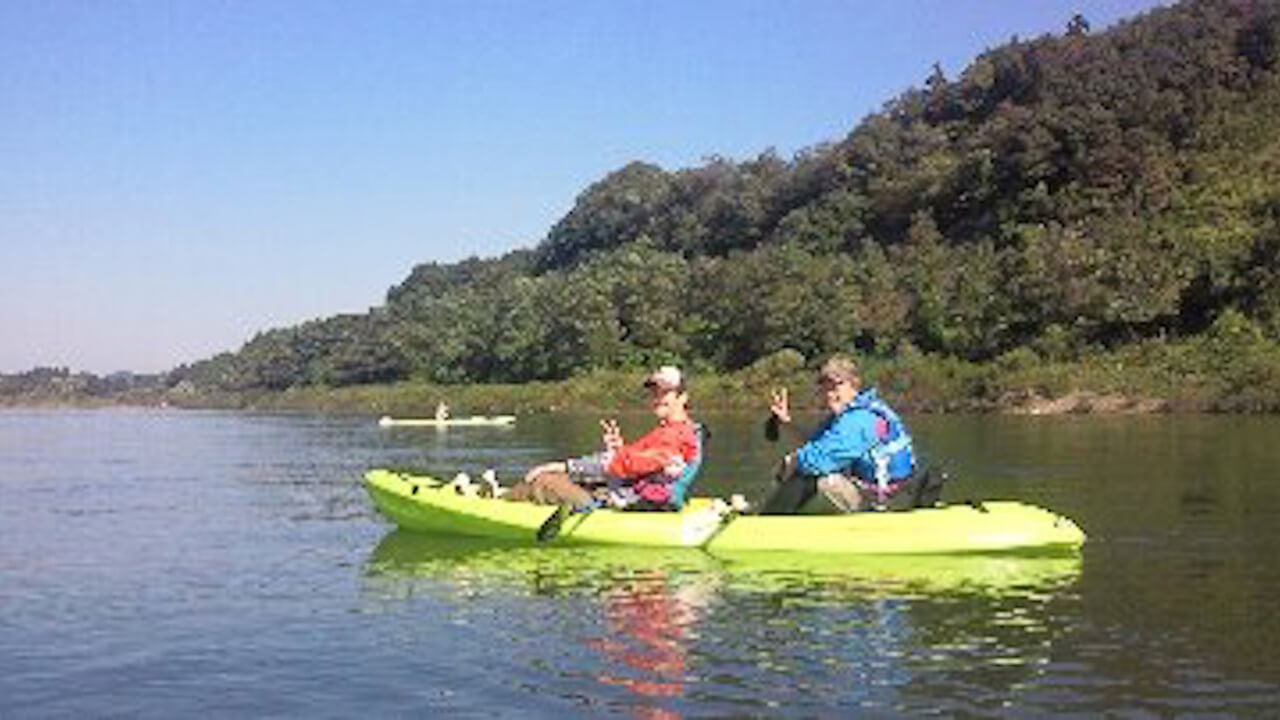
781, 406
611, 435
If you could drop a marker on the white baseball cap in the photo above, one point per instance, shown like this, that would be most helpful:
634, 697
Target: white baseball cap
667, 377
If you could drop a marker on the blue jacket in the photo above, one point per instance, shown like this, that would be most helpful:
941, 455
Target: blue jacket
867, 430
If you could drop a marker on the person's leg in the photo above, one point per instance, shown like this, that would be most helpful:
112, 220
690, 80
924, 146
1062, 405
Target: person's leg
558, 489
588, 469
558, 483
523, 491
790, 495
841, 491
551, 488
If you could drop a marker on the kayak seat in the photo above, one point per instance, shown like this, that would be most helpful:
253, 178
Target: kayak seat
923, 490
680, 487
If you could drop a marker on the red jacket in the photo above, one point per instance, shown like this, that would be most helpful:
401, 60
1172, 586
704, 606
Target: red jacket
655, 450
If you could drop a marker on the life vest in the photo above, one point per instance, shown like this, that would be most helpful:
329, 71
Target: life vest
659, 490
892, 458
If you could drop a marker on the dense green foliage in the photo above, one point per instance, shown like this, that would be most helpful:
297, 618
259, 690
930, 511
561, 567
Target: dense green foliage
1064, 199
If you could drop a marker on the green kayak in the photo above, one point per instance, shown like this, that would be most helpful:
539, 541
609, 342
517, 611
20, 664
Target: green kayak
424, 504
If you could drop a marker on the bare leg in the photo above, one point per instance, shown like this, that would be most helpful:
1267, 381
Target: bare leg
547, 485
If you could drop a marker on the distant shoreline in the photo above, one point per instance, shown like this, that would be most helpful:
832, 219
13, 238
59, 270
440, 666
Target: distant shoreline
1155, 377
618, 391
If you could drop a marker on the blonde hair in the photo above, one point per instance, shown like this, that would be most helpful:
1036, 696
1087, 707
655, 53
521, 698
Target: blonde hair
840, 368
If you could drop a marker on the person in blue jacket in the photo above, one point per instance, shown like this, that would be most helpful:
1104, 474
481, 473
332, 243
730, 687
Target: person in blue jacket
858, 457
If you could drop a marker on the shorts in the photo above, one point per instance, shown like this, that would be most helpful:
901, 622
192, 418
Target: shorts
651, 492
589, 469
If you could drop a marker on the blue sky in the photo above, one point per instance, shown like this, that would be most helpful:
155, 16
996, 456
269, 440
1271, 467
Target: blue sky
178, 176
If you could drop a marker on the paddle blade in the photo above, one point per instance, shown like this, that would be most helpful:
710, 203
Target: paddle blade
771, 428
550, 528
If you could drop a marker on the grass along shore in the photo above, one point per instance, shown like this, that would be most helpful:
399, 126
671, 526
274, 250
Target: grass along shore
1212, 374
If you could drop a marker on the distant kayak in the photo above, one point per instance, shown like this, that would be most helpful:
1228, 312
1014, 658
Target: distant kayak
424, 504
388, 421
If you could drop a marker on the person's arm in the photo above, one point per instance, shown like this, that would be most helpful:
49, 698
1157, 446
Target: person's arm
837, 445
653, 452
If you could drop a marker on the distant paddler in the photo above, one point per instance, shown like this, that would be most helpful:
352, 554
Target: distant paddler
442, 411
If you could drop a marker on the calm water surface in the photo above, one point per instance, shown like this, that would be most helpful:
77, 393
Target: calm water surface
165, 563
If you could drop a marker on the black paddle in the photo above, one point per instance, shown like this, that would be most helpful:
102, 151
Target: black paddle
771, 428
550, 527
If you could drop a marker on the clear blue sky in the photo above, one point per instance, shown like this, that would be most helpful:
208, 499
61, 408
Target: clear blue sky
176, 176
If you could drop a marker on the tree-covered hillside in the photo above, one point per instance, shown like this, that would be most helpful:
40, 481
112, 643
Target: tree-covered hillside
1067, 195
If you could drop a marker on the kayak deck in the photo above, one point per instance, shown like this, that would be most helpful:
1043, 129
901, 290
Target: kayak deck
424, 504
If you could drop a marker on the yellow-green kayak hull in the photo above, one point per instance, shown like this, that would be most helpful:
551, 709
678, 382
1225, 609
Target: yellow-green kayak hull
424, 504
478, 563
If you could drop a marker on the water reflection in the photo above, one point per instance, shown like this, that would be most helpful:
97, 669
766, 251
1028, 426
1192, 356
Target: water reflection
662, 631
650, 620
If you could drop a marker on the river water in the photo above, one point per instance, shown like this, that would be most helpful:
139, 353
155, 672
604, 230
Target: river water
164, 564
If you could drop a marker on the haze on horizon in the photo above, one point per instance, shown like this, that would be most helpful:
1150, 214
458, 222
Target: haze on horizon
181, 176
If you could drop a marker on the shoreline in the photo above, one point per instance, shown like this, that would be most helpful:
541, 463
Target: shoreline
411, 399
1156, 378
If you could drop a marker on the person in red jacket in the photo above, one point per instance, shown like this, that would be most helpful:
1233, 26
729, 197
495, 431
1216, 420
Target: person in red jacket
636, 474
